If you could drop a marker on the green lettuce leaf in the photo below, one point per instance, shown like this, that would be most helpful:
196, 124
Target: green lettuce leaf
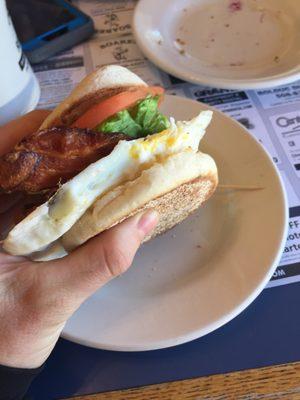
146, 114
121, 122
143, 119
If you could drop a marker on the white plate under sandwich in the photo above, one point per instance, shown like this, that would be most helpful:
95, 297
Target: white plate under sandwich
204, 272
246, 44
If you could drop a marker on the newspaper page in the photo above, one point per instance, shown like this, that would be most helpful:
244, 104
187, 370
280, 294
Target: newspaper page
272, 116
59, 75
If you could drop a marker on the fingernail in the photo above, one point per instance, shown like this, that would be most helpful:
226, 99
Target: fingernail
148, 221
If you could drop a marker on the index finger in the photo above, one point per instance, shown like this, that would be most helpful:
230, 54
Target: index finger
14, 131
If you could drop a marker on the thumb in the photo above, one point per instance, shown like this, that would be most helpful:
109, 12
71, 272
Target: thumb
103, 257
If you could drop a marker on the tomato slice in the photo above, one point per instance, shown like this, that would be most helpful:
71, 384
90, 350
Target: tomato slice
107, 108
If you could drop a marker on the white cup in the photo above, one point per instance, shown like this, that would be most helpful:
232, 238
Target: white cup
19, 88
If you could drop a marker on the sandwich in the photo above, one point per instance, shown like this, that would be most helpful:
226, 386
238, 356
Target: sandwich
103, 155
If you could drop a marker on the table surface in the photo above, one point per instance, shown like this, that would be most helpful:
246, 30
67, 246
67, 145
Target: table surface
264, 335
277, 382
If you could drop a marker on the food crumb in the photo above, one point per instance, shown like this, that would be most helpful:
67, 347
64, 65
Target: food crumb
227, 25
276, 59
235, 6
236, 64
180, 41
262, 17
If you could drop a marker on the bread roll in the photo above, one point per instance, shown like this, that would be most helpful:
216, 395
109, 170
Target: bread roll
99, 85
175, 188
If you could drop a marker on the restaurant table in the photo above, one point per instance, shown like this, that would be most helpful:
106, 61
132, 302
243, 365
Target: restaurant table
279, 382
266, 334
256, 355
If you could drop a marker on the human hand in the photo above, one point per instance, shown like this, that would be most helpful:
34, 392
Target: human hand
36, 299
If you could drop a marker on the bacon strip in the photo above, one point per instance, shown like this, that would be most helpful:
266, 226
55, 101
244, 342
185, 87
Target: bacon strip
52, 156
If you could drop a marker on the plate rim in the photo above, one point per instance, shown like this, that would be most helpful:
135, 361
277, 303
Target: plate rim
283, 78
198, 333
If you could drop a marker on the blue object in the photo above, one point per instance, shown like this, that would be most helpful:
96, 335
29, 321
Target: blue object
47, 27
266, 333
79, 19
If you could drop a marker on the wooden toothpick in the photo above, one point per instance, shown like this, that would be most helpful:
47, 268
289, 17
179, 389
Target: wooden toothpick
240, 187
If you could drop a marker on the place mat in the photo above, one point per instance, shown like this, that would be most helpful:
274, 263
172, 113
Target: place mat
266, 333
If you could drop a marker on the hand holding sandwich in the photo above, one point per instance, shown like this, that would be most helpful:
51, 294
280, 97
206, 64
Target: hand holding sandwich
37, 299
87, 177
107, 152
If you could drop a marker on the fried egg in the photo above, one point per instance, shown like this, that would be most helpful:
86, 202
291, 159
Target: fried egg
126, 162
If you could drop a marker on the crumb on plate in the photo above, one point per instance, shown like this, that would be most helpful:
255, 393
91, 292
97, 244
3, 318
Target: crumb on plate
262, 17
180, 41
236, 64
235, 6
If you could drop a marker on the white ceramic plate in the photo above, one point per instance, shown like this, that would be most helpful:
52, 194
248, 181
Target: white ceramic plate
201, 274
245, 44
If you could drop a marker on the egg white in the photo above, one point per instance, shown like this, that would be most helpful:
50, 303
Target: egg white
52, 219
